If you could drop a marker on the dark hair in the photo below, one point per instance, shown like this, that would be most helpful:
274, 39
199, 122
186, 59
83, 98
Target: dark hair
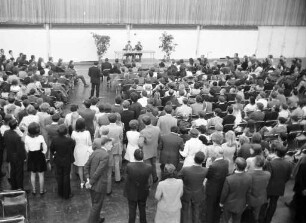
80, 125
174, 129
240, 163
138, 155
168, 109
256, 138
134, 97
280, 150
74, 108
199, 157
230, 109
62, 130
13, 124
282, 120
107, 108
252, 100
199, 99
33, 129
118, 99
87, 103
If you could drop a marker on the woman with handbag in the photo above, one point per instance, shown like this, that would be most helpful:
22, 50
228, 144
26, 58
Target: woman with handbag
36, 148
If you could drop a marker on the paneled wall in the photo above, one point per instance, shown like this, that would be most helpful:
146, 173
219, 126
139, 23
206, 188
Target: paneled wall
192, 12
78, 44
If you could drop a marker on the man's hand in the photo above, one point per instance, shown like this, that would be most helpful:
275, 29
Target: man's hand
87, 184
221, 205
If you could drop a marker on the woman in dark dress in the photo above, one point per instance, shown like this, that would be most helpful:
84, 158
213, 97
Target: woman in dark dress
62, 149
36, 148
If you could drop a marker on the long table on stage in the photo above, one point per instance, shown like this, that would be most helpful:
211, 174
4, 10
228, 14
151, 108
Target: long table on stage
122, 53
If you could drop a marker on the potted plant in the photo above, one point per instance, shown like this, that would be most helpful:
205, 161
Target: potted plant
167, 45
102, 43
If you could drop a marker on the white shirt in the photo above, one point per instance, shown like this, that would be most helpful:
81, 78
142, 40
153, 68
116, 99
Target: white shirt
34, 144
143, 101
263, 101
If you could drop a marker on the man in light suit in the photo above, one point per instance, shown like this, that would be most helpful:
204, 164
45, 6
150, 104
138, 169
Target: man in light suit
236, 191
95, 74
260, 180
170, 145
167, 121
148, 142
95, 171
137, 187
193, 178
116, 134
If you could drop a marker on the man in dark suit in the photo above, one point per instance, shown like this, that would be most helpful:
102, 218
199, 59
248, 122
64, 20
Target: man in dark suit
260, 180
106, 68
216, 175
88, 115
52, 129
126, 116
135, 106
95, 171
258, 115
170, 145
300, 191
62, 148
280, 170
16, 154
236, 191
94, 74
229, 118
193, 178
137, 187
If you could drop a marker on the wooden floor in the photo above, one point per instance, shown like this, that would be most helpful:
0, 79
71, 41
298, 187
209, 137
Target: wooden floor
52, 209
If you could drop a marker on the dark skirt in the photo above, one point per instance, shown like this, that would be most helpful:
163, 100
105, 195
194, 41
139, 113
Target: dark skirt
36, 162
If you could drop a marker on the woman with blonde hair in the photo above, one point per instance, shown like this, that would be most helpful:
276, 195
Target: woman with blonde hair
230, 148
215, 149
168, 194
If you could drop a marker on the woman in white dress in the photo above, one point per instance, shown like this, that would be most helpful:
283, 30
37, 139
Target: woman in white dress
132, 138
192, 146
82, 148
230, 147
168, 194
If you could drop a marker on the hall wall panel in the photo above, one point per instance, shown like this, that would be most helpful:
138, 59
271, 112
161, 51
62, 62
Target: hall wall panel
189, 12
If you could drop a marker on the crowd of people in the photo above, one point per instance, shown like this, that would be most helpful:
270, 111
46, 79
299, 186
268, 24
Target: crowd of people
227, 136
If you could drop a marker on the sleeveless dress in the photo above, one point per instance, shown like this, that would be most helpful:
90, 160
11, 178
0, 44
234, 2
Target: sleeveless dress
132, 137
82, 148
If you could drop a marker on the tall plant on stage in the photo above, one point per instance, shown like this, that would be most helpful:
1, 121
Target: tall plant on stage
102, 44
167, 44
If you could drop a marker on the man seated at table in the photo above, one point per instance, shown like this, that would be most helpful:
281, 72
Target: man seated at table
138, 47
128, 47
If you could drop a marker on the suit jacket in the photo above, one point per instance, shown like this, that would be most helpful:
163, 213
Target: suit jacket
300, 178
148, 141
170, 145
126, 117
96, 144
216, 175
51, 132
229, 119
260, 180
137, 187
116, 134
280, 170
165, 123
236, 191
136, 107
193, 178
62, 148
94, 74
89, 116
271, 115
96, 169
14, 146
